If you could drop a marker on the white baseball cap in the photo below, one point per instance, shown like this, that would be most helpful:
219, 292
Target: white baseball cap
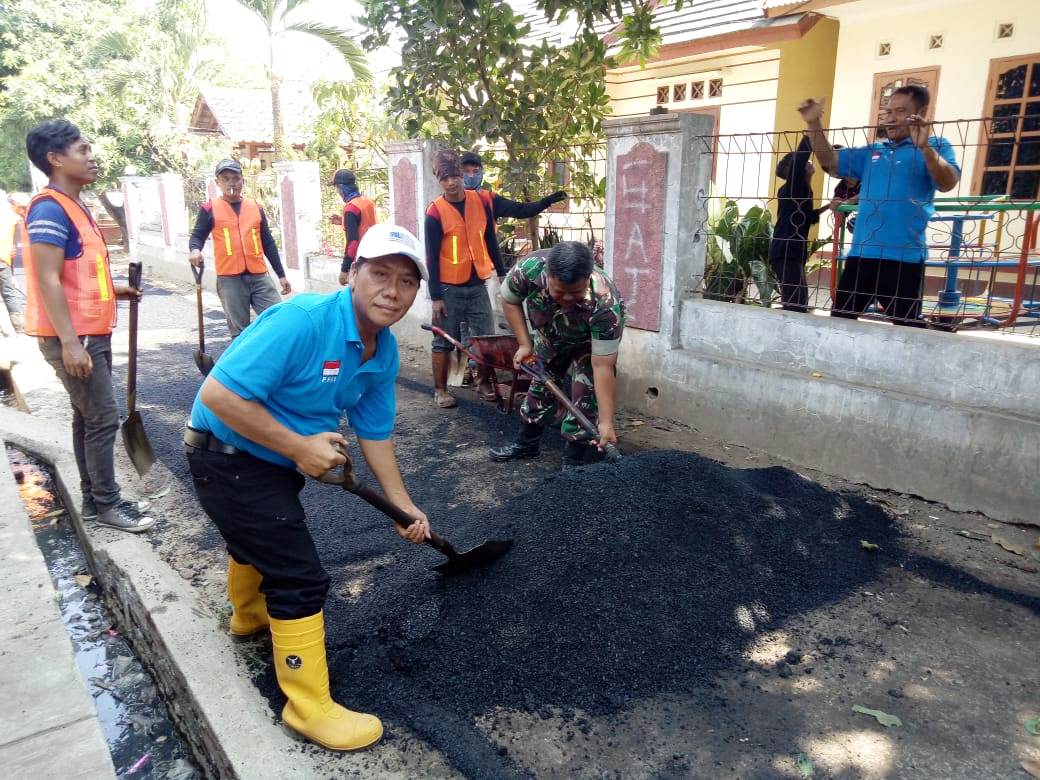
385, 239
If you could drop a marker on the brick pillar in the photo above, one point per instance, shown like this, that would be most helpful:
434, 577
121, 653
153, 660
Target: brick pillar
300, 200
412, 183
657, 187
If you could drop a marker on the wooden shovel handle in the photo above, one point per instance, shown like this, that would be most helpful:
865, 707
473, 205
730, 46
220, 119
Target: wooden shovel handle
134, 280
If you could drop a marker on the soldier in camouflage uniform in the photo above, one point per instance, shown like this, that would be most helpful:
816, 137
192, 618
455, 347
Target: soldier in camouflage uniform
578, 318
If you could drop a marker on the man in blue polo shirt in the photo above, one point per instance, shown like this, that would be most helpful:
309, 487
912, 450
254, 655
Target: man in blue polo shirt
899, 176
271, 409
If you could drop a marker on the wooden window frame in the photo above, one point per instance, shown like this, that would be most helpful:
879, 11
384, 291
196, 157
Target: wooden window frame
881, 78
996, 66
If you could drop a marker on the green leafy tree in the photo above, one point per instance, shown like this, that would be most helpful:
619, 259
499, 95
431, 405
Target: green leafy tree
129, 86
470, 74
280, 20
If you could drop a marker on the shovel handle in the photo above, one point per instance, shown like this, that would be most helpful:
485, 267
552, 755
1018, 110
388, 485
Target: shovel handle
453, 341
197, 272
345, 477
536, 370
398, 515
134, 280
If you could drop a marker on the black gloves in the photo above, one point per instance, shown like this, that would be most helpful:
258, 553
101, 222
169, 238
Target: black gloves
556, 197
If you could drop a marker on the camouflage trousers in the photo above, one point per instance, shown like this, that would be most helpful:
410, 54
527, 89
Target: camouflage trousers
540, 405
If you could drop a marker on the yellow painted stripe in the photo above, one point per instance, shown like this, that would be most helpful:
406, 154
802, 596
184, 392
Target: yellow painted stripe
227, 241
454, 250
102, 276
256, 242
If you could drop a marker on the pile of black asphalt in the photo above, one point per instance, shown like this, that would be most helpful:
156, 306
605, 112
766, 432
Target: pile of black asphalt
625, 581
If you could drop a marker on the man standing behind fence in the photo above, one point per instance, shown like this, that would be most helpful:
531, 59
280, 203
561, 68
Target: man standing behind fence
241, 239
359, 214
899, 176
501, 207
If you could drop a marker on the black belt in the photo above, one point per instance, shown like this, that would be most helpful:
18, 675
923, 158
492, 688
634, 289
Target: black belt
204, 440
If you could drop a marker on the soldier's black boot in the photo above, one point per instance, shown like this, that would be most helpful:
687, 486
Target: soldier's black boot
527, 445
574, 453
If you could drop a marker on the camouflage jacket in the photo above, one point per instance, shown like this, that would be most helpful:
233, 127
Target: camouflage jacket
595, 324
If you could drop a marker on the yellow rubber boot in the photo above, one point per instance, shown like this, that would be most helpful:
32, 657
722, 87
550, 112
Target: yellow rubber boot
248, 605
303, 675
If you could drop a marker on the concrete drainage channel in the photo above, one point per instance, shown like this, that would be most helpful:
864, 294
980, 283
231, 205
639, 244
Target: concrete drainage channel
133, 717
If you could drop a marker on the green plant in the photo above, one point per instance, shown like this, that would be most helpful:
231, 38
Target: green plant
738, 254
550, 237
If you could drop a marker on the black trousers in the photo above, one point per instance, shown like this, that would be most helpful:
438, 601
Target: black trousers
256, 507
895, 285
787, 259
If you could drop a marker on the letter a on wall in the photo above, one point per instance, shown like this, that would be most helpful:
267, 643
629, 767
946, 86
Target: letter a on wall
638, 251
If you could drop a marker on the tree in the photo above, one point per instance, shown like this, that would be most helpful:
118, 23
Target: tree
129, 88
279, 20
471, 74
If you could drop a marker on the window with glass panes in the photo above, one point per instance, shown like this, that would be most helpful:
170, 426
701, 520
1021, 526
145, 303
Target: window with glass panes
1009, 157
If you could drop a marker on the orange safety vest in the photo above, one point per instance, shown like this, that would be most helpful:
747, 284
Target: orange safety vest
463, 243
368, 214
86, 280
236, 238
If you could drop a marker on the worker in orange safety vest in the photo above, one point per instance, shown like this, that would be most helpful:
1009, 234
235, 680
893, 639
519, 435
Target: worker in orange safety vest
71, 309
241, 239
359, 214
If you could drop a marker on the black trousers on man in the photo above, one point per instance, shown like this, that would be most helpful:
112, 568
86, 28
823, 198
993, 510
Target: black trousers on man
896, 286
787, 259
256, 507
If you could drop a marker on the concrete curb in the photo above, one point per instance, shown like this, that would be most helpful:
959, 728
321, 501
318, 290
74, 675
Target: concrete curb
49, 726
223, 716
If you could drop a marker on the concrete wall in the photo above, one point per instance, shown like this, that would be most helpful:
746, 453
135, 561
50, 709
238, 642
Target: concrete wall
946, 418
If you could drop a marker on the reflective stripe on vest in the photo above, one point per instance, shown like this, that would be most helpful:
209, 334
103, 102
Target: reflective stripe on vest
242, 250
463, 244
86, 280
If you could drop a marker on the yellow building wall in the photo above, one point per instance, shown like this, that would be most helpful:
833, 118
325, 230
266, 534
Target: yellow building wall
806, 70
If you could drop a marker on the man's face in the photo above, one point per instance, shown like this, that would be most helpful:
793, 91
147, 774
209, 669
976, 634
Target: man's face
384, 289
76, 162
451, 186
468, 169
230, 183
899, 109
567, 296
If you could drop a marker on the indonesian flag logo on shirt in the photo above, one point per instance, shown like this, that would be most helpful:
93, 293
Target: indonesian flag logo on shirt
330, 371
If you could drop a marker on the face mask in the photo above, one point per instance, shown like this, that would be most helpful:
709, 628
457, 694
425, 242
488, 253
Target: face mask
472, 181
346, 192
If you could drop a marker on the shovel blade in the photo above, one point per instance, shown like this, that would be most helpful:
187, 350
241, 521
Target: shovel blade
481, 555
203, 362
137, 445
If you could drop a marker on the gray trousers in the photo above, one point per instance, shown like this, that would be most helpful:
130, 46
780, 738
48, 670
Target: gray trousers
468, 304
244, 291
14, 299
95, 417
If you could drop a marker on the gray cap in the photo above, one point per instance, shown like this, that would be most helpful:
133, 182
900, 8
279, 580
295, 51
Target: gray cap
227, 164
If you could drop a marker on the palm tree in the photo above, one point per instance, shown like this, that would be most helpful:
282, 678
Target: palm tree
279, 19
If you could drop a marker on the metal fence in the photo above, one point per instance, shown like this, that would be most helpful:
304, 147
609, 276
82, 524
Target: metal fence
372, 183
779, 236
581, 173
